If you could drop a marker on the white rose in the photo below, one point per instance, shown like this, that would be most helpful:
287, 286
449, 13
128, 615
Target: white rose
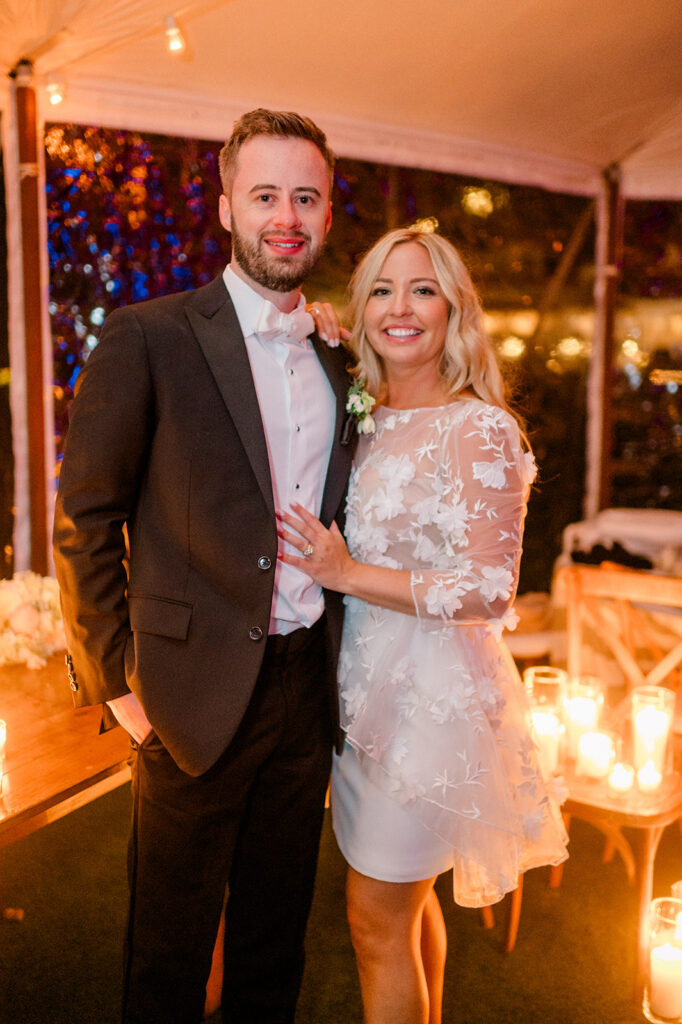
366, 425
25, 619
9, 600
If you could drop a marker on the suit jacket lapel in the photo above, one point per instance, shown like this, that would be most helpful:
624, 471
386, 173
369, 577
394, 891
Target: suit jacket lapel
215, 324
341, 454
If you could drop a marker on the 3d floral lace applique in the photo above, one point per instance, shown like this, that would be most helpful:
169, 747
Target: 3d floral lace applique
491, 474
442, 493
354, 698
445, 595
497, 582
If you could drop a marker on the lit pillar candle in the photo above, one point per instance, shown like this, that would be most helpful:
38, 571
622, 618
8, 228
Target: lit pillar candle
648, 777
665, 981
651, 729
548, 731
595, 754
580, 715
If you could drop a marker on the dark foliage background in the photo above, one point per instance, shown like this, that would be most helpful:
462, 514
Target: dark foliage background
134, 216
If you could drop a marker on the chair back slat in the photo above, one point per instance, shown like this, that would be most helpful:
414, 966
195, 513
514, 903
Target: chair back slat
617, 605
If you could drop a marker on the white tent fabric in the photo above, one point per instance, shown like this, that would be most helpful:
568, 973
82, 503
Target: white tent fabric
547, 92
542, 92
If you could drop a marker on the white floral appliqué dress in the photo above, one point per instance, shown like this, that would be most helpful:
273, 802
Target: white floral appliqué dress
439, 768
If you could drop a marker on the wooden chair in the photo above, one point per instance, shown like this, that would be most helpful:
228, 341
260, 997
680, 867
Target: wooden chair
636, 617
623, 607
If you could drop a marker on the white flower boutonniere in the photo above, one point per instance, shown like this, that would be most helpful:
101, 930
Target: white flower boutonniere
360, 403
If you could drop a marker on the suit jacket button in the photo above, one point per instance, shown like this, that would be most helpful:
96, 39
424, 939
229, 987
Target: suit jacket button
264, 562
255, 633
74, 685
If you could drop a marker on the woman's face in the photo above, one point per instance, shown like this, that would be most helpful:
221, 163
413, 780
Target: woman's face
406, 315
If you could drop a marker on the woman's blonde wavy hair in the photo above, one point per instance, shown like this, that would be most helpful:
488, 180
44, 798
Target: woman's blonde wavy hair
468, 359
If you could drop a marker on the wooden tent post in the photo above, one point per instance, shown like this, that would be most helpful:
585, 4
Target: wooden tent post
27, 146
609, 247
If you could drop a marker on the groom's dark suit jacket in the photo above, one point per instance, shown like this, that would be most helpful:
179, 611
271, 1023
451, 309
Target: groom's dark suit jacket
166, 439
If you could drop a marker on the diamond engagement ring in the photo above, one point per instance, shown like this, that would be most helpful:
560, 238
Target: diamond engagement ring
308, 551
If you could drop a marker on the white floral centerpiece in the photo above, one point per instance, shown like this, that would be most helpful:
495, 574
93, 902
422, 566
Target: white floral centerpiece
31, 627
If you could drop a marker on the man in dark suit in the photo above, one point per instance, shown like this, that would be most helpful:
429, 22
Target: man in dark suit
198, 416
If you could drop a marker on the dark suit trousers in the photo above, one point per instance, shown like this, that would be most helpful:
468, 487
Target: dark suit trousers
251, 823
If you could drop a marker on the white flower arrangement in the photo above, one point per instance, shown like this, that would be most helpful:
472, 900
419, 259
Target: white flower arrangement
359, 402
31, 626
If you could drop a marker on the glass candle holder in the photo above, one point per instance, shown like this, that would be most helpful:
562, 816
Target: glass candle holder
545, 686
663, 989
653, 708
582, 706
548, 730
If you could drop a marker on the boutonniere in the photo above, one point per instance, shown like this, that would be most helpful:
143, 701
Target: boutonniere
359, 403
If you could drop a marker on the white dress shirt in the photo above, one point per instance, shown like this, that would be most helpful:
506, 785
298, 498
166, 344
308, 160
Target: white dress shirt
297, 406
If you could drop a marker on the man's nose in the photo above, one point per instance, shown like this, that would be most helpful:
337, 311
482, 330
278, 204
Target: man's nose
287, 214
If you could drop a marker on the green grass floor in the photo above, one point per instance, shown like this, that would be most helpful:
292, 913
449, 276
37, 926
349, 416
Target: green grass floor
573, 963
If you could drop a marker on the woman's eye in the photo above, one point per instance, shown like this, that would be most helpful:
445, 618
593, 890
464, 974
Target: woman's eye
425, 290
379, 291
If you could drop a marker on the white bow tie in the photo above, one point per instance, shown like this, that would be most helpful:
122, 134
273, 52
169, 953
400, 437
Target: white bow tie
271, 323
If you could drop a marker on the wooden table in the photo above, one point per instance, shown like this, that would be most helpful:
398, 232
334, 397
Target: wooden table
648, 815
55, 760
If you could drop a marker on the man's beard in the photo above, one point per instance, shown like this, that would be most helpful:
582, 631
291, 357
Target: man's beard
272, 272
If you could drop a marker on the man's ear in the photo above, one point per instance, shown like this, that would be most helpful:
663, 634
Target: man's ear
224, 212
328, 222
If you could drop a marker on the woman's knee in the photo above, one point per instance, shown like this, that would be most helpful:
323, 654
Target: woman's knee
383, 916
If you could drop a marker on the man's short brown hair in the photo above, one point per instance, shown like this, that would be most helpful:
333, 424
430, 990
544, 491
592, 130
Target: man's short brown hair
282, 123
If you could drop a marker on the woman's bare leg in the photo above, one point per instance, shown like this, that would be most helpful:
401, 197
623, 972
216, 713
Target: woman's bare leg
386, 928
433, 950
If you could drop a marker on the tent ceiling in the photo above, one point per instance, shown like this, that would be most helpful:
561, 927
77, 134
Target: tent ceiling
530, 90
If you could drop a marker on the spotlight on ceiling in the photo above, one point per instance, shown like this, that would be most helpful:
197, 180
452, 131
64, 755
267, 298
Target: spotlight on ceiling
174, 37
54, 87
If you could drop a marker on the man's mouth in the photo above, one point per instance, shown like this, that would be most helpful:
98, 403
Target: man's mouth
285, 246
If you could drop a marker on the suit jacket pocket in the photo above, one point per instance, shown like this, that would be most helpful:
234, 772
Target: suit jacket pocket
160, 616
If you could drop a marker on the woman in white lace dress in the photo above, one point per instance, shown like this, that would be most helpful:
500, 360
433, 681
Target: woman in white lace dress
440, 769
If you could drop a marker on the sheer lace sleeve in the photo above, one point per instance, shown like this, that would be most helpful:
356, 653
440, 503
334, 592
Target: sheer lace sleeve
472, 522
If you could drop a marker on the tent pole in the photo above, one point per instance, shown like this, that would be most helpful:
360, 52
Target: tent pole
608, 256
27, 145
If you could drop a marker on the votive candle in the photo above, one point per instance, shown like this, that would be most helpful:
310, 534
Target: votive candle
622, 778
648, 777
